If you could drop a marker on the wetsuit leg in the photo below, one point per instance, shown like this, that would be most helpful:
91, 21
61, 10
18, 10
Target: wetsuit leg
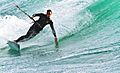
33, 31
26, 37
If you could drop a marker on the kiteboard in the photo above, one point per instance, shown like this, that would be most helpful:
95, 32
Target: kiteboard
13, 45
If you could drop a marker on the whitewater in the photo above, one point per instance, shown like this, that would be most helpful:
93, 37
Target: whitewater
88, 33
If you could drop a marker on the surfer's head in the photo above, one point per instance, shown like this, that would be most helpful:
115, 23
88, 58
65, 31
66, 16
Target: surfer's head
49, 12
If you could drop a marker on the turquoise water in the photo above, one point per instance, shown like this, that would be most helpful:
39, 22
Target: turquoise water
88, 32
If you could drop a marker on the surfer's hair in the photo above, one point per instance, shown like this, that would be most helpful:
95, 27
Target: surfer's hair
49, 10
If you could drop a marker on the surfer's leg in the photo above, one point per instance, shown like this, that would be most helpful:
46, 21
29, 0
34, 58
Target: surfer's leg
26, 37
33, 31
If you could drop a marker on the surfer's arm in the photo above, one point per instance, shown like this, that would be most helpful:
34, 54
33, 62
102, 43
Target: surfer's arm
54, 33
34, 15
39, 14
53, 30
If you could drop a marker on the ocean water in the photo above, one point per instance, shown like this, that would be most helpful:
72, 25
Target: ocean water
88, 33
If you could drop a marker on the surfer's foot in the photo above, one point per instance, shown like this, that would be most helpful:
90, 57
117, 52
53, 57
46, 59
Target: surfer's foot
18, 45
15, 41
56, 46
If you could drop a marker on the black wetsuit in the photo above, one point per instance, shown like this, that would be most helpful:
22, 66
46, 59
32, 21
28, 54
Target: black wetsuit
37, 27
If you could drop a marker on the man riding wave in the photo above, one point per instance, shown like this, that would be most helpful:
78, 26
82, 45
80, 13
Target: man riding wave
44, 19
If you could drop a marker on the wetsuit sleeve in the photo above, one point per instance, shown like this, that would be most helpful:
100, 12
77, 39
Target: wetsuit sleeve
39, 14
52, 27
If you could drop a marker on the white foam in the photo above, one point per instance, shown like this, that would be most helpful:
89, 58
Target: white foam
12, 27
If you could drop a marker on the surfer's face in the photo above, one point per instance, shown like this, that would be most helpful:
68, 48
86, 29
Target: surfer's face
49, 14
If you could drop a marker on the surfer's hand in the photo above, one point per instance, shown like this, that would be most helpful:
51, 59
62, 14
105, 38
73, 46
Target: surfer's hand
55, 39
33, 15
31, 22
56, 42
